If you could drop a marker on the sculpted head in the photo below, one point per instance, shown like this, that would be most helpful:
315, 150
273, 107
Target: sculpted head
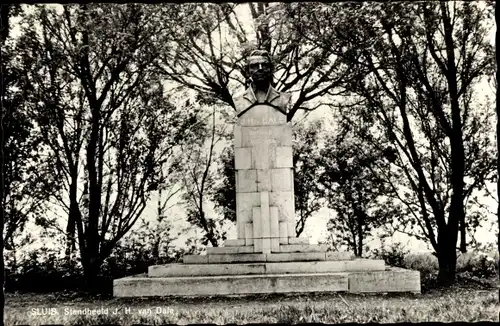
260, 68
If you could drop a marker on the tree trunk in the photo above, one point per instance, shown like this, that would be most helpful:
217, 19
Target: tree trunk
447, 255
463, 239
354, 246
360, 238
2, 262
353, 242
498, 141
2, 217
91, 269
498, 172
457, 212
213, 241
72, 216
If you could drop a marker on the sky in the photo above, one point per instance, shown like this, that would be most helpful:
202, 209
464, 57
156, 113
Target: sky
316, 226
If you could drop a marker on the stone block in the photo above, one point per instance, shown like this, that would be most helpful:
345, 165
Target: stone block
336, 255
263, 156
292, 233
249, 234
361, 265
229, 285
286, 135
244, 203
275, 231
229, 250
285, 202
236, 258
281, 179
264, 180
296, 241
195, 259
292, 267
266, 246
240, 229
304, 267
275, 135
392, 280
323, 266
284, 157
283, 232
262, 115
265, 222
303, 248
295, 256
234, 242
246, 181
237, 136
257, 229
243, 158
176, 270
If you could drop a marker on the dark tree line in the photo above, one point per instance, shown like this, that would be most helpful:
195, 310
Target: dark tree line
422, 65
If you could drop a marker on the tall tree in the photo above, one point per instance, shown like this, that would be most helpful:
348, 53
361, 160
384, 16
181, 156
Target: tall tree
423, 63
100, 108
22, 192
209, 53
498, 134
308, 197
223, 192
5, 14
200, 164
352, 179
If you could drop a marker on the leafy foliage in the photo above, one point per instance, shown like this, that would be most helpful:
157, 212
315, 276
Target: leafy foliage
23, 192
422, 66
353, 181
394, 256
308, 198
199, 173
212, 43
99, 107
223, 193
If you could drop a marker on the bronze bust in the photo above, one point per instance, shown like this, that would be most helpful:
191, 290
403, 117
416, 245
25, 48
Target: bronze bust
260, 70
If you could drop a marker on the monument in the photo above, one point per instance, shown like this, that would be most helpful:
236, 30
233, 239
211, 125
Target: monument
265, 211
266, 256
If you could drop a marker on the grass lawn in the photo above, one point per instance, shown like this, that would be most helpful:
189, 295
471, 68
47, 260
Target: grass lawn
453, 304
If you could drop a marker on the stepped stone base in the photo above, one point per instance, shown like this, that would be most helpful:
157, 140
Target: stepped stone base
244, 274
391, 280
282, 248
297, 267
229, 285
176, 270
259, 257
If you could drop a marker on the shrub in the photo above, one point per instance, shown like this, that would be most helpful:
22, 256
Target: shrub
42, 270
425, 263
393, 256
47, 270
477, 264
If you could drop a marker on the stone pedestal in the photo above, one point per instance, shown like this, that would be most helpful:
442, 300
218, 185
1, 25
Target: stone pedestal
244, 274
266, 256
265, 212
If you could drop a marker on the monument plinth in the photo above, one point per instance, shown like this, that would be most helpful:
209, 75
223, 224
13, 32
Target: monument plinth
266, 256
265, 213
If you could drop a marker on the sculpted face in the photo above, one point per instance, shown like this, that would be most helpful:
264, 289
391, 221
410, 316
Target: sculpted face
260, 70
